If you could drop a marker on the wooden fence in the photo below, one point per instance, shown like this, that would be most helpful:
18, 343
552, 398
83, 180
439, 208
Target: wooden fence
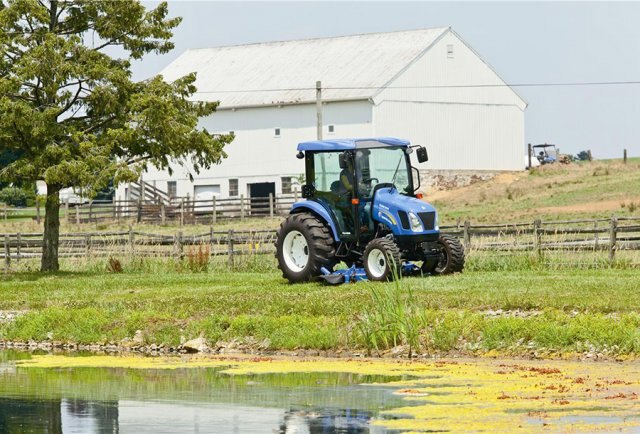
608, 237
182, 210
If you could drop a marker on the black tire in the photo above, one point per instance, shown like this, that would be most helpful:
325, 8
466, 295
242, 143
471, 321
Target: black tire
320, 246
451, 256
385, 260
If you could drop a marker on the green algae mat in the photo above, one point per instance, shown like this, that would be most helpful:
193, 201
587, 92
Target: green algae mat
481, 395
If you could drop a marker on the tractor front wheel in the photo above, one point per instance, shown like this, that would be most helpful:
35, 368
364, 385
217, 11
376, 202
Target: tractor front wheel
382, 260
304, 245
451, 258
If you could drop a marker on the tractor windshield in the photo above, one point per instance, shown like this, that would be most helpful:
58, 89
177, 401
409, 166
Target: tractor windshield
382, 165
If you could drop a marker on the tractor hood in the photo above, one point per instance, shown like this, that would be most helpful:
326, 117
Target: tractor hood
404, 215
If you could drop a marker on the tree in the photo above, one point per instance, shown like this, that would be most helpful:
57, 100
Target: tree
583, 156
72, 113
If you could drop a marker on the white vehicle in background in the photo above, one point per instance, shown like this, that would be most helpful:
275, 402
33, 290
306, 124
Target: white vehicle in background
66, 195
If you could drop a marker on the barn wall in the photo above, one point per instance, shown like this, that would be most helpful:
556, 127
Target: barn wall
463, 127
256, 154
457, 136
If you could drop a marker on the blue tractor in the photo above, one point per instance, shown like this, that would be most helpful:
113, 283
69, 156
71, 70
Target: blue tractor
362, 209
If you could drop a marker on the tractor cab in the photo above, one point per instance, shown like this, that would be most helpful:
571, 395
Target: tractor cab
345, 181
361, 208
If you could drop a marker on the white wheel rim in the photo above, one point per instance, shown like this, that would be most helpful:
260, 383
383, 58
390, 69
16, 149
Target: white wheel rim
295, 251
376, 262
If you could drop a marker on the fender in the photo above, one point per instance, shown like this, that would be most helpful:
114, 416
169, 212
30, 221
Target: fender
318, 209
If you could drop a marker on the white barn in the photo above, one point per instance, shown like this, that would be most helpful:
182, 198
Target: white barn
428, 86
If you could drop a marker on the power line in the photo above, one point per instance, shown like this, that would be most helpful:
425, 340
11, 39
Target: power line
448, 86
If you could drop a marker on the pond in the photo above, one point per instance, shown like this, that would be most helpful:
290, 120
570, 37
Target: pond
45, 393
204, 400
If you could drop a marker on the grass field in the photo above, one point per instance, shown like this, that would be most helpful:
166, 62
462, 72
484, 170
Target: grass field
584, 190
517, 312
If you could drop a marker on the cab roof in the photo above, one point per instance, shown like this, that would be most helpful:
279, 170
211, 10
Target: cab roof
349, 144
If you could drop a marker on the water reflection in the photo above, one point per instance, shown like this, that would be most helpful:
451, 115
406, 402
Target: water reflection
92, 400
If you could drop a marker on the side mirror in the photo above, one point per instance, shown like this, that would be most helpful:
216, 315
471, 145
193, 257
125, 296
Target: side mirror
422, 154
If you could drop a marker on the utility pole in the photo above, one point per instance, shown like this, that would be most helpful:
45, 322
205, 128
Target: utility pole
319, 108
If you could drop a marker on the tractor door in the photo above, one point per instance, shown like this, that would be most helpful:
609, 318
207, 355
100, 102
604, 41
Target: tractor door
334, 187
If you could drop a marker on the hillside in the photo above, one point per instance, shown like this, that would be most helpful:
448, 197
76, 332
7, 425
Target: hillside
579, 190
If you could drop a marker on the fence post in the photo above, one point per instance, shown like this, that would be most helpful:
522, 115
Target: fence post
613, 235
139, 218
78, 213
467, 234
7, 254
537, 237
38, 210
66, 211
625, 156
529, 153
242, 207
230, 248
132, 242
213, 211
177, 246
18, 242
181, 212
87, 246
596, 237
270, 204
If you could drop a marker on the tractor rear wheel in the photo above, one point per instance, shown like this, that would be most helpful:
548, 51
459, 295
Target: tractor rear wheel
451, 256
304, 244
382, 260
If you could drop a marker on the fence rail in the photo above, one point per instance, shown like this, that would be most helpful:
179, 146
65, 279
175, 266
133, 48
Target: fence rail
184, 210
597, 235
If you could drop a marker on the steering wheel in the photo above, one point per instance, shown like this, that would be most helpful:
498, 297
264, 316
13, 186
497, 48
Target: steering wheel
371, 179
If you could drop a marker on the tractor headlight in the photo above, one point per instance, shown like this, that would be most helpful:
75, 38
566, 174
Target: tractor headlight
416, 224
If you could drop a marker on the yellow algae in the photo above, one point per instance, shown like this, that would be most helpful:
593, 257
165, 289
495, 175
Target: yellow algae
452, 395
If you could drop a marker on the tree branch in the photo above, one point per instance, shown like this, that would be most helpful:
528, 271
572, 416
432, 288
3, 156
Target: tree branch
70, 103
99, 125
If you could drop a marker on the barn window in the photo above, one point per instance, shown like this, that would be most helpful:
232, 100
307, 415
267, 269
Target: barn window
172, 189
450, 51
286, 185
276, 132
331, 129
233, 187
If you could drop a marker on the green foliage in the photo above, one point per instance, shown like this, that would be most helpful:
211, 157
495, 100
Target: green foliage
583, 156
72, 115
14, 196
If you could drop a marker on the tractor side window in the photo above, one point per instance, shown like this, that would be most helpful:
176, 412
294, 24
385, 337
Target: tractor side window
327, 171
332, 188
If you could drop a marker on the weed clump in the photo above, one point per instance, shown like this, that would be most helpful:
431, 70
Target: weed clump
114, 265
198, 259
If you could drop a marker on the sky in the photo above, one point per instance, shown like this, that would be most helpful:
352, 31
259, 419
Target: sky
525, 42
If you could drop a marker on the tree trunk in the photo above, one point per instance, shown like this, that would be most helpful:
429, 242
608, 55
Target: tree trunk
51, 230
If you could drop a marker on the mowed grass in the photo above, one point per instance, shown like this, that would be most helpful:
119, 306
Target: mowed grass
565, 310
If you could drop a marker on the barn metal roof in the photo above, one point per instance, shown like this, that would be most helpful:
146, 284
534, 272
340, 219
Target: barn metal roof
272, 73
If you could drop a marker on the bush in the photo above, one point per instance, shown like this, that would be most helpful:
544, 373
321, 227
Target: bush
15, 196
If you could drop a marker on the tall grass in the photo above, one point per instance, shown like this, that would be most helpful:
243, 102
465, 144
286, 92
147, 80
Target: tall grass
393, 317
